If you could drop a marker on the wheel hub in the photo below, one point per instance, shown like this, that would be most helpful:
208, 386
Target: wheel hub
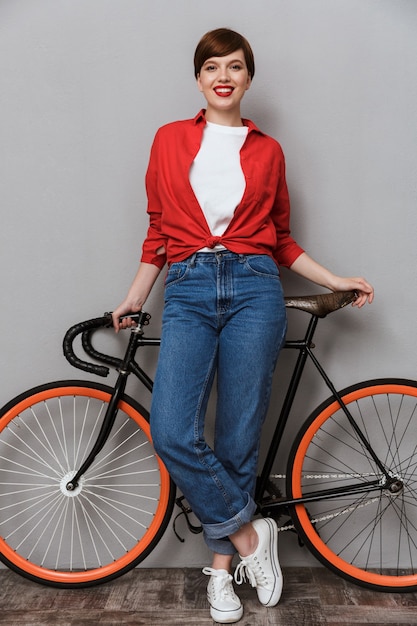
71, 493
395, 486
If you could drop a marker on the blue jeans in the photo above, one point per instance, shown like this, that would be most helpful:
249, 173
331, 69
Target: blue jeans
224, 313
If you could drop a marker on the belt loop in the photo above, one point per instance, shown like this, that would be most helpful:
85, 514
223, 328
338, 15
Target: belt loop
191, 262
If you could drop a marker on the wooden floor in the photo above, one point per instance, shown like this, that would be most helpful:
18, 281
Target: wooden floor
155, 597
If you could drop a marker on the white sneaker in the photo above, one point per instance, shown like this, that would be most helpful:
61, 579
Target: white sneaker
262, 567
225, 606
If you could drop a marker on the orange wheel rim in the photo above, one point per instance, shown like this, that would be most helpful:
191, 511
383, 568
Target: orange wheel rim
351, 570
94, 574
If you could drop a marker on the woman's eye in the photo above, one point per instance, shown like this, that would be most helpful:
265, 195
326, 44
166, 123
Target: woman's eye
210, 68
236, 67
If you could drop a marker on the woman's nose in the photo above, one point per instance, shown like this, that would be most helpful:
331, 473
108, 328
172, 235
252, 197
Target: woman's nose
224, 75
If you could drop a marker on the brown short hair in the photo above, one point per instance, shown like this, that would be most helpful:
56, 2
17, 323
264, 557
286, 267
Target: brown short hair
220, 43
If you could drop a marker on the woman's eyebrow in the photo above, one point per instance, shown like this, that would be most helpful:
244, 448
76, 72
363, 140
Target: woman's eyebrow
216, 60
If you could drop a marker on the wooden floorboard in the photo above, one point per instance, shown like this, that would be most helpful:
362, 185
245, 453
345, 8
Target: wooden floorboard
170, 597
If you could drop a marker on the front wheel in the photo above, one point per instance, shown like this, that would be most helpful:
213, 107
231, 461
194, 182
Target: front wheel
117, 513
367, 538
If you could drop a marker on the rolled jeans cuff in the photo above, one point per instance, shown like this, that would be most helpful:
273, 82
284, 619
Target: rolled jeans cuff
217, 535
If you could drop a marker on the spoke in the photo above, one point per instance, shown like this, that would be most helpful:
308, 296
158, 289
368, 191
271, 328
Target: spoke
348, 434
132, 494
80, 436
97, 470
62, 440
119, 506
43, 512
56, 514
44, 442
109, 522
80, 455
60, 525
34, 457
112, 474
22, 501
110, 457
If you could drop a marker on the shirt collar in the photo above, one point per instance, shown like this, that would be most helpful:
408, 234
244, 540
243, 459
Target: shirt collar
200, 118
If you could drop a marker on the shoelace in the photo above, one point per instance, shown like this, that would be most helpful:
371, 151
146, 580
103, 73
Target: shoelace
252, 572
222, 583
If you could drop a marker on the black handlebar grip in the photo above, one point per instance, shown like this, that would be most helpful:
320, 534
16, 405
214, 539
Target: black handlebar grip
95, 354
76, 330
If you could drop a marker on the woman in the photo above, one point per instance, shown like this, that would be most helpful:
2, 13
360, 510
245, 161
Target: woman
219, 215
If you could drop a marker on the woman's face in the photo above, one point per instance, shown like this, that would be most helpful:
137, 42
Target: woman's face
223, 81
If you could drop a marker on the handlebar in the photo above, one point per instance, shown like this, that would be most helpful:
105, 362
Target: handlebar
86, 329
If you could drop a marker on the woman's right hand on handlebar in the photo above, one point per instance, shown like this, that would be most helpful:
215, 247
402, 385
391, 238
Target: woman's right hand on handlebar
123, 309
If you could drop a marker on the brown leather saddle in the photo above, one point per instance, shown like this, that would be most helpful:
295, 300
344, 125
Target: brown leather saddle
321, 304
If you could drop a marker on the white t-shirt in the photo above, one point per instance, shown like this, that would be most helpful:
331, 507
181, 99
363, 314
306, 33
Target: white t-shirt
216, 175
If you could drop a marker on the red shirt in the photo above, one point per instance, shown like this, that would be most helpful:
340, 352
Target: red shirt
260, 224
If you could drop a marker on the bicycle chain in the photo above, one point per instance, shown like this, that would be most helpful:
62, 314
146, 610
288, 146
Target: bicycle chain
361, 475
329, 516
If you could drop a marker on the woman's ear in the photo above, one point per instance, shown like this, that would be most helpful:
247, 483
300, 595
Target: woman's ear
199, 83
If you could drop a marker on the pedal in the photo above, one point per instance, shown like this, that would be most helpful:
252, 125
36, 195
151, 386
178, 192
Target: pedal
186, 511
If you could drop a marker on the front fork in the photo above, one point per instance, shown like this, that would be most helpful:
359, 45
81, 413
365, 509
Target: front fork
111, 412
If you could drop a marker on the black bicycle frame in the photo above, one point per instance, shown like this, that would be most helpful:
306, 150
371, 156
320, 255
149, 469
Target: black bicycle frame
128, 365
305, 347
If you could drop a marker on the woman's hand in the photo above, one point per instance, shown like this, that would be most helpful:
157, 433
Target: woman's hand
364, 290
123, 309
309, 268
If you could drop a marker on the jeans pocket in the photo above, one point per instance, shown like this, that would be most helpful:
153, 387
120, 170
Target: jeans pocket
262, 265
176, 272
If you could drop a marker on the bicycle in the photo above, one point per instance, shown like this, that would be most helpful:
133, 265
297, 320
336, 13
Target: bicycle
84, 498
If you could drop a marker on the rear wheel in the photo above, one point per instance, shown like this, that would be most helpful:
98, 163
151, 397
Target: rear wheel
118, 512
368, 538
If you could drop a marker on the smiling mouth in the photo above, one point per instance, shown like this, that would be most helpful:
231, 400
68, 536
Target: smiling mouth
223, 92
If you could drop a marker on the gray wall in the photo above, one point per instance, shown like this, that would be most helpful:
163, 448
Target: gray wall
84, 86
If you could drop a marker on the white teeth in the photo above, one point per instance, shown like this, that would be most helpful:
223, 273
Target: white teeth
224, 90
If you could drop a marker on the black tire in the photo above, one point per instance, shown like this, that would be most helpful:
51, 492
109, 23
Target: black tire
120, 509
